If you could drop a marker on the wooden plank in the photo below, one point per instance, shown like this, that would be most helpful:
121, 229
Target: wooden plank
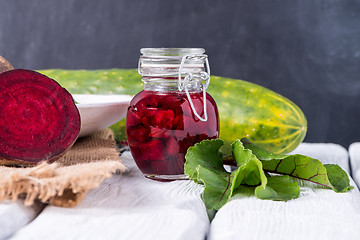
354, 153
14, 216
127, 206
317, 214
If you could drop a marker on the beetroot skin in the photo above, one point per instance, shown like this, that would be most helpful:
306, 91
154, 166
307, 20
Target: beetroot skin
38, 118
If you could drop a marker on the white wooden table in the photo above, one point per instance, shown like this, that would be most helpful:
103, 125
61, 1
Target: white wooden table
129, 206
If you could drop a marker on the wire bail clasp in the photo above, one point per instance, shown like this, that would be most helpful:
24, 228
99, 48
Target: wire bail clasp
203, 78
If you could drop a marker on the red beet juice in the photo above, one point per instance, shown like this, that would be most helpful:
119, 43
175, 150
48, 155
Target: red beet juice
161, 126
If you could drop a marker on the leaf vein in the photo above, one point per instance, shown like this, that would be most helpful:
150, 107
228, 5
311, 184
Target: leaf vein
277, 165
227, 188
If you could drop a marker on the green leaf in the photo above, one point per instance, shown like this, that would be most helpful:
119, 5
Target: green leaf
204, 165
243, 191
302, 167
279, 188
217, 187
338, 178
249, 165
260, 152
207, 154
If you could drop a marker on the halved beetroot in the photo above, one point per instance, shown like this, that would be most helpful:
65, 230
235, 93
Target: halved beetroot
38, 118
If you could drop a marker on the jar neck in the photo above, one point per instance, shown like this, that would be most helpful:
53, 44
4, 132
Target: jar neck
169, 84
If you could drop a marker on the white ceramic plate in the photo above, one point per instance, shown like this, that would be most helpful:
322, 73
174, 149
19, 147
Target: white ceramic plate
98, 112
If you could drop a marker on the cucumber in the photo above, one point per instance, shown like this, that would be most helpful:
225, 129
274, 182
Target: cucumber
245, 109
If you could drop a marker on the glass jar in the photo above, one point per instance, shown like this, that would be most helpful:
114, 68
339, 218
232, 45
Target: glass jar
172, 113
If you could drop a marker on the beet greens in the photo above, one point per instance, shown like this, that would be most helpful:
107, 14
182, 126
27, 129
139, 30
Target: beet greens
255, 168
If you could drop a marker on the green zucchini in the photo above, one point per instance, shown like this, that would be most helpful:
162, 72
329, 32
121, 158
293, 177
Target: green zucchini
245, 109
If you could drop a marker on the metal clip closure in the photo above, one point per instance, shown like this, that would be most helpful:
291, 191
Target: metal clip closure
205, 81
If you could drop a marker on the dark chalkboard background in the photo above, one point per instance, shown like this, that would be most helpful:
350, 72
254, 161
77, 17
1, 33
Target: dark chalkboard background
308, 51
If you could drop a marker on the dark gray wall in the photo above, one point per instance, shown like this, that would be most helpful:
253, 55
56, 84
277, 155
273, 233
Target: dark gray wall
306, 50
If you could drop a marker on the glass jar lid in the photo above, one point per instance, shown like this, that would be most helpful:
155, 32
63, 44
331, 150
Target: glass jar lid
166, 62
171, 51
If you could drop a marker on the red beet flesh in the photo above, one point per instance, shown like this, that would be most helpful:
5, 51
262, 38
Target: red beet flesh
38, 118
161, 127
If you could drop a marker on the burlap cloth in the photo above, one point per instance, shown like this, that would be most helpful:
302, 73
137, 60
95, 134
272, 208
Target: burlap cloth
66, 181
